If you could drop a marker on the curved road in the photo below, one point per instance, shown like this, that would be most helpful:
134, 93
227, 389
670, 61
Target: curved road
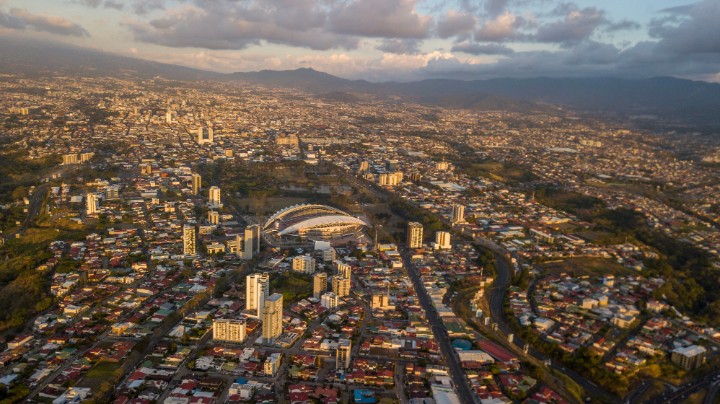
500, 287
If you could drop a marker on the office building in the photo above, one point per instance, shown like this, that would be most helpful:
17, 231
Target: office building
229, 330
196, 184
272, 364
380, 301
304, 263
415, 235
91, 203
257, 288
442, 240
342, 355
189, 247
319, 284
214, 197
329, 300
458, 214
340, 286
272, 317
213, 217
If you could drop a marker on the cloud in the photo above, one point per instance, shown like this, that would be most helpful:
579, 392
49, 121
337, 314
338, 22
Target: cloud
482, 49
504, 27
692, 29
137, 6
400, 46
455, 24
238, 25
20, 19
577, 25
379, 18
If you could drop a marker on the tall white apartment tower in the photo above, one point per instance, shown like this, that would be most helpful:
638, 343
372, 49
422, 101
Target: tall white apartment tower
91, 204
257, 288
415, 235
189, 247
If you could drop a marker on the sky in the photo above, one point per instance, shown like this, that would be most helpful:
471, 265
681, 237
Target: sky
402, 40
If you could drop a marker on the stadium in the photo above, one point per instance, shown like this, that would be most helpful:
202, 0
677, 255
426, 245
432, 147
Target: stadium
306, 223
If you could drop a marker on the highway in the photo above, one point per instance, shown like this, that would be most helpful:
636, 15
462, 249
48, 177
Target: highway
462, 387
681, 393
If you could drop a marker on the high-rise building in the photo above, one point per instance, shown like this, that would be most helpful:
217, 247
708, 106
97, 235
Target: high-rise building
239, 245
342, 355
319, 284
168, 116
213, 217
189, 247
272, 317
91, 204
329, 300
343, 269
304, 263
112, 192
229, 330
458, 214
196, 184
251, 241
415, 235
442, 240
364, 166
214, 197
257, 288
340, 286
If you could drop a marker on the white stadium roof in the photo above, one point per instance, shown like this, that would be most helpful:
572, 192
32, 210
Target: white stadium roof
323, 221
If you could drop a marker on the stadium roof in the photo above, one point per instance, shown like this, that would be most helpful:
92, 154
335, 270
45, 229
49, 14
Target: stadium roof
323, 221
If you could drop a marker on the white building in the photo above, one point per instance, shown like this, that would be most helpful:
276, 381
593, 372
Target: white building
329, 300
304, 263
189, 246
214, 197
442, 240
257, 288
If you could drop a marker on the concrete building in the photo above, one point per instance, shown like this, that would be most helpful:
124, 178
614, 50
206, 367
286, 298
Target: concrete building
689, 357
343, 270
257, 288
442, 240
272, 317
251, 242
380, 301
214, 197
304, 263
213, 217
91, 204
329, 300
272, 364
196, 184
458, 214
319, 284
415, 235
340, 286
229, 330
342, 355
189, 245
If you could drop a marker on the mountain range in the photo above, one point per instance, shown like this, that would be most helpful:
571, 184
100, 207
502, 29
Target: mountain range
694, 102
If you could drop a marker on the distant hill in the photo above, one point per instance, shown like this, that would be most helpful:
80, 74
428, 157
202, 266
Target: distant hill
35, 58
691, 101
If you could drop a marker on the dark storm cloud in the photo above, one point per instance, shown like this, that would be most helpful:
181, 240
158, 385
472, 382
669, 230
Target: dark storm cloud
20, 19
482, 49
692, 29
